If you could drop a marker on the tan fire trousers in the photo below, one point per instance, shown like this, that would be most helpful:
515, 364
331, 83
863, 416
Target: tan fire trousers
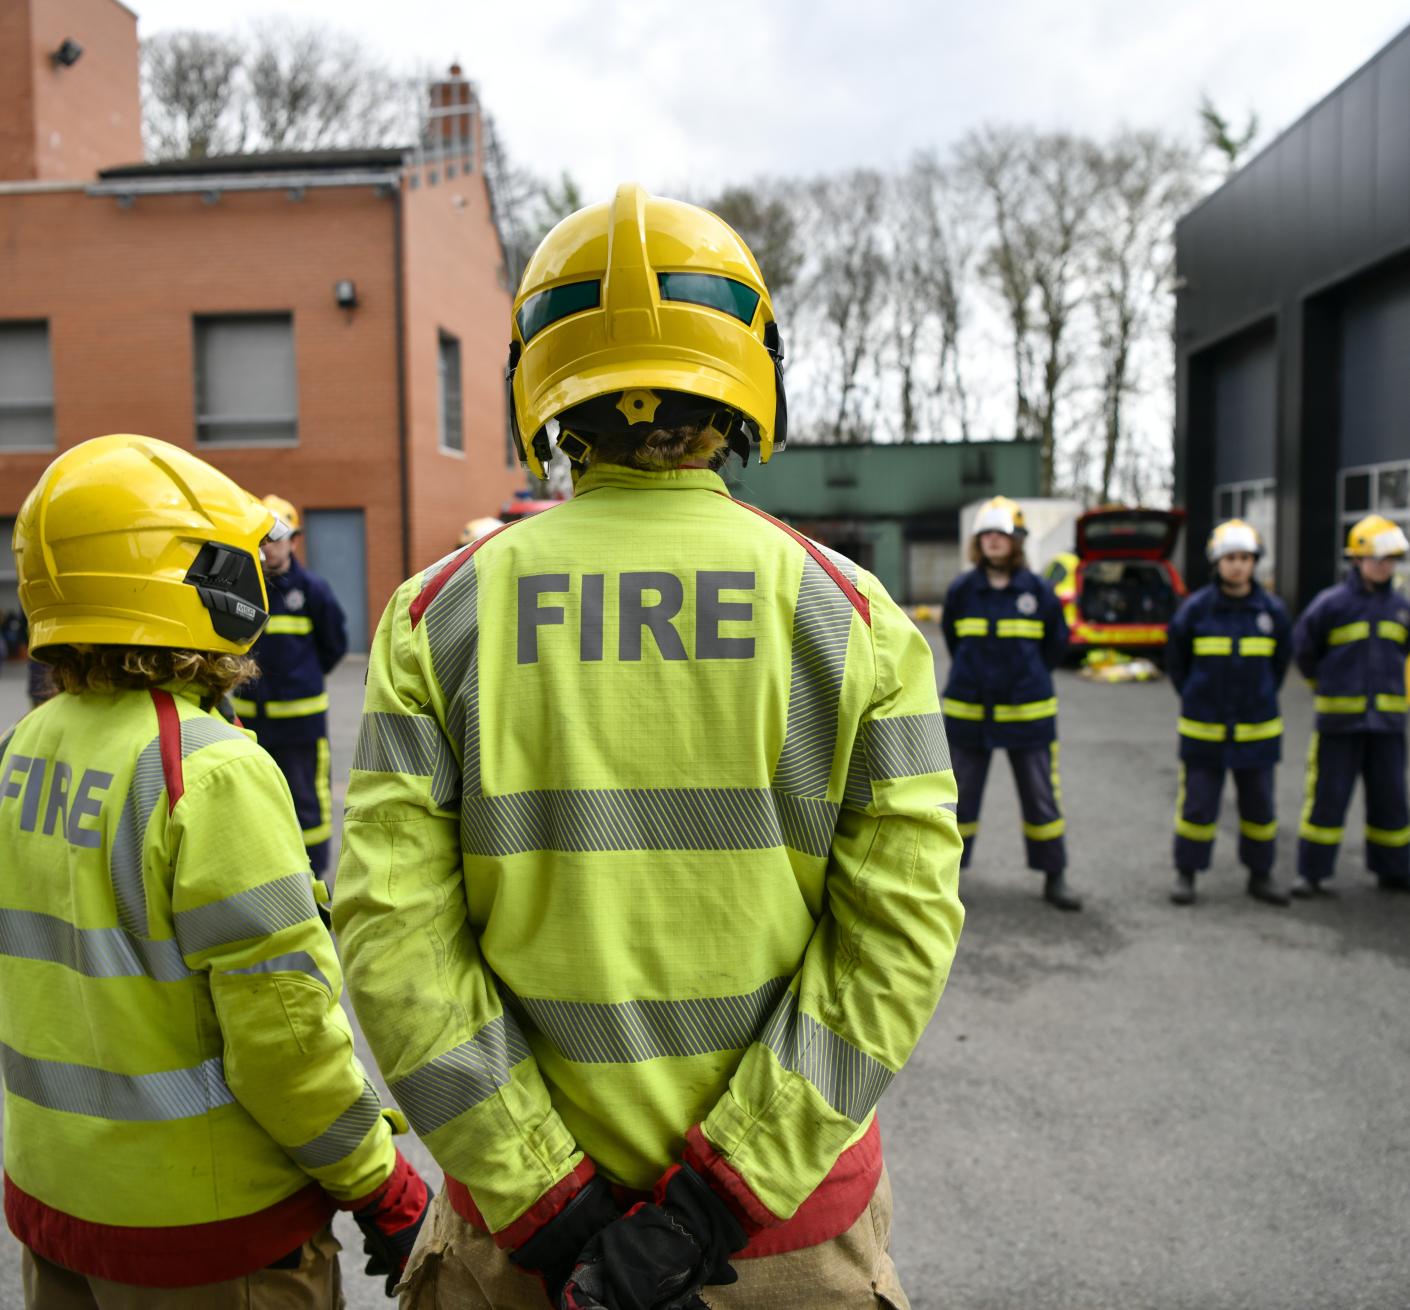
314, 1285
457, 1267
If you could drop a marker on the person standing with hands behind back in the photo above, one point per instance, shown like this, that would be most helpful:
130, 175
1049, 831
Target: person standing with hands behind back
1228, 652
287, 708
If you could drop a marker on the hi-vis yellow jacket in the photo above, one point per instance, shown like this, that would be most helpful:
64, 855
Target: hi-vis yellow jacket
179, 1075
650, 826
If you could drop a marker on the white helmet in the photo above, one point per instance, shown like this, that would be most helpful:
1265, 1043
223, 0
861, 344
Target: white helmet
1234, 537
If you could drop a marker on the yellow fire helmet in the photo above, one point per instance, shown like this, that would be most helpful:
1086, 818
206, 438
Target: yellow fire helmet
285, 511
1000, 515
1233, 537
644, 311
1376, 537
129, 541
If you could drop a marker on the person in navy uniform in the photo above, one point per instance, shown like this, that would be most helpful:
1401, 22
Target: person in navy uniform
287, 707
1351, 643
1005, 632
1228, 652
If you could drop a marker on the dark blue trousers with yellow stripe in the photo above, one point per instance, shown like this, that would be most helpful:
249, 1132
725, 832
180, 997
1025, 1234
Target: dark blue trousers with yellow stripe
1035, 774
1197, 816
1335, 760
307, 769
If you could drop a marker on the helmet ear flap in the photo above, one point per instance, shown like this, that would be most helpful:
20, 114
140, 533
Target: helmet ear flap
773, 343
526, 452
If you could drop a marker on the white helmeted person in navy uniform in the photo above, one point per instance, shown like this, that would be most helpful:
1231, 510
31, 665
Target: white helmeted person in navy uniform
287, 707
1006, 633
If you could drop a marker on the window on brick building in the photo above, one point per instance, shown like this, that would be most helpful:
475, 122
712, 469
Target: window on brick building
26, 387
452, 423
246, 382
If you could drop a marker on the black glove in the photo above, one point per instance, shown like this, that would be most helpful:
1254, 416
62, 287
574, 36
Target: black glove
391, 1221
553, 1250
658, 1256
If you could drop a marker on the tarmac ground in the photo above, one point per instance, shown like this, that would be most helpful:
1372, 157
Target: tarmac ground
1139, 1105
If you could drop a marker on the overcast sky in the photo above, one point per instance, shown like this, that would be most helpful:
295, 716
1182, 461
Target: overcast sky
672, 94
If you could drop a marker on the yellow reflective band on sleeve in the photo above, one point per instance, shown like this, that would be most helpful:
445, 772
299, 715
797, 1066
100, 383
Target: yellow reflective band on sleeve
295, 709
1388, 836
1389, 704
1045, 831
971, 627
968, 829
1194, 831
1321, 836
1340, 704
1258, 731
289, 625
1214, 645
963, 709
1391, 631
1258, 831
1349, 632
1203, 731
1257, 645
1036, 709
242, 706
323, 783
1032, 629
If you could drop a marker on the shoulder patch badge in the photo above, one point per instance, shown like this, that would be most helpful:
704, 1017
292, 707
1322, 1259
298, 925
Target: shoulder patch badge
1265, 622
1027, 603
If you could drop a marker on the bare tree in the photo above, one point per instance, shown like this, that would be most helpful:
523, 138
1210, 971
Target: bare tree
763, 215
848, 286
1147, 180
192, 95
284, 87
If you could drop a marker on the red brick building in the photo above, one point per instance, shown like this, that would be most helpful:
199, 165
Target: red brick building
328, 326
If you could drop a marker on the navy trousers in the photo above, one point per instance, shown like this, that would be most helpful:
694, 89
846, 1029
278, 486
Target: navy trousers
1335, 760
1197, 816
307, 769
1035, 774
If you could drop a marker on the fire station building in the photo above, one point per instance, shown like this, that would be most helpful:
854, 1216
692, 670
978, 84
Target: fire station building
1293, 333
328, 326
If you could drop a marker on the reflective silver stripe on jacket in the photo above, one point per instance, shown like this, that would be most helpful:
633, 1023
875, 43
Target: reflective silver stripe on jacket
907, 747
822, 626
463, 1077
256, 912
646, 819
452, 634
293, 962
410, 744
147, 1097
849, 1080
93, 952
630, 1032
344, 1135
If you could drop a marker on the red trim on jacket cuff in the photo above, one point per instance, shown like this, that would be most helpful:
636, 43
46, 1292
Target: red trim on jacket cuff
547, 1207
701, 1155
400, 1190
182, 1255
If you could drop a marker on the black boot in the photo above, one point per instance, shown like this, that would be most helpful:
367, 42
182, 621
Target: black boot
1183, 892
1056, 892
1262, 888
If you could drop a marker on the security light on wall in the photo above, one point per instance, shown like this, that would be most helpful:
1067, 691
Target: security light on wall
68, 53
345, 293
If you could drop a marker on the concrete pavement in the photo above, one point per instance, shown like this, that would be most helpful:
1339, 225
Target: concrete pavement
1140, 1105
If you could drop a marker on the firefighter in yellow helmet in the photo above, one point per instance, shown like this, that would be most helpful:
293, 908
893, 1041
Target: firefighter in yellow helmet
183, 1109
1228, 652
1005, 631
286, 707
1351, 643
648, 883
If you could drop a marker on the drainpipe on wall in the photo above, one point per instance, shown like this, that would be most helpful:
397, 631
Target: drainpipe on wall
403, 455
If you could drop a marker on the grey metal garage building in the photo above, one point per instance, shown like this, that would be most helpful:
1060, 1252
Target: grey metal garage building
1293, 332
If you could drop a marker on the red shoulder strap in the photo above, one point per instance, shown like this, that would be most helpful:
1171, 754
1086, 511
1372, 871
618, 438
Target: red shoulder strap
432, 589
169, 734
859, 602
